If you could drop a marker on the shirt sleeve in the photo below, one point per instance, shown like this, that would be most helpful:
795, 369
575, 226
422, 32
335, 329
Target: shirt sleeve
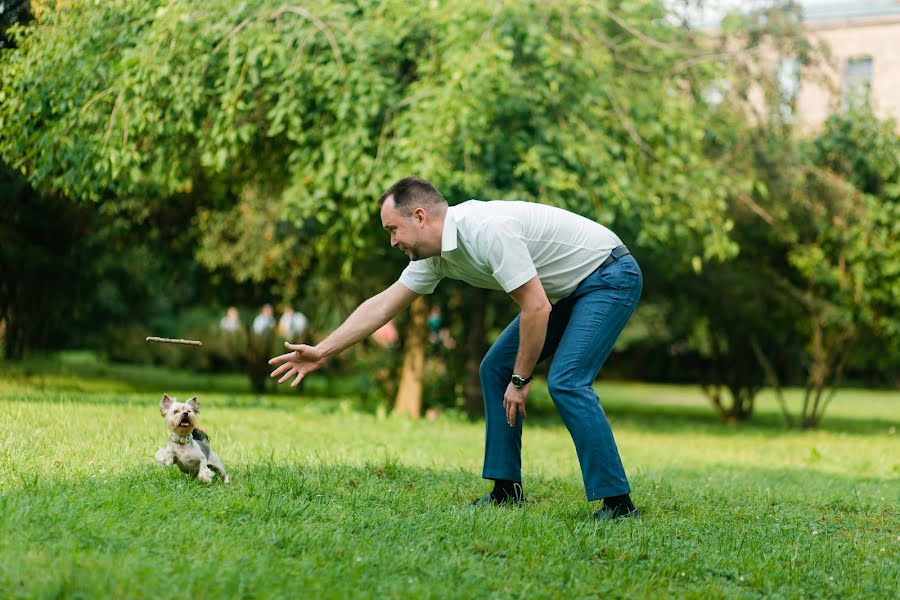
507, 254
420, 276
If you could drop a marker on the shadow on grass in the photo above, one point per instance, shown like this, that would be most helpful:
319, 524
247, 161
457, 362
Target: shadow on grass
66, 375
208, 400
126, 385
674, 418
650, 418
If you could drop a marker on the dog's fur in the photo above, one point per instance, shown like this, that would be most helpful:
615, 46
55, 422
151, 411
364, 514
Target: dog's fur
191, 452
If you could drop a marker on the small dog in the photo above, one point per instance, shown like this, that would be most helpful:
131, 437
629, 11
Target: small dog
188, 447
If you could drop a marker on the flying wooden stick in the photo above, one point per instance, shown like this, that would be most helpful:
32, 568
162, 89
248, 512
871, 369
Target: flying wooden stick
174, 341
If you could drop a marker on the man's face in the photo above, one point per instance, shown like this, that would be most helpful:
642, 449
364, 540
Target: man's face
405, 230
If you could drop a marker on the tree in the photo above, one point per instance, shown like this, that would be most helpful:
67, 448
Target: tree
846, 259
789, 307
283, 123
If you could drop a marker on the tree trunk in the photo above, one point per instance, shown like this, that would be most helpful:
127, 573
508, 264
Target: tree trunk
412, 373
259, 350
714, 393
13, 347
21, 330
475, 351
772, 376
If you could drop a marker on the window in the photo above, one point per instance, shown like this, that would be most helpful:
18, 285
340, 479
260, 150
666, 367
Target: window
857, 84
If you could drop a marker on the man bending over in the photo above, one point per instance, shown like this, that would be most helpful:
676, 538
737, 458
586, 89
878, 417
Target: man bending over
576, 285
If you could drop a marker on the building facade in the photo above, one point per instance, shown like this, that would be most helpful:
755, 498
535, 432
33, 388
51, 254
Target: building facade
864, 38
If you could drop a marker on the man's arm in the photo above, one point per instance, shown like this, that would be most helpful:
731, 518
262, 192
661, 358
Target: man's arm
535, 313
368, 316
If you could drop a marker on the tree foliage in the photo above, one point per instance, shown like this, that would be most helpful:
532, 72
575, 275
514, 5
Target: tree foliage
282, 124
269, 129
813, 291
580, 104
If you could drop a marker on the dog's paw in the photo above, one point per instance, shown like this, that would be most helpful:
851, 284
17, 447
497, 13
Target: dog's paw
165, 458
226, 479
205, 476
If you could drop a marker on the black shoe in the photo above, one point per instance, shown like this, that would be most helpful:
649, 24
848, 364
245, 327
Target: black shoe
489, 498
608, 514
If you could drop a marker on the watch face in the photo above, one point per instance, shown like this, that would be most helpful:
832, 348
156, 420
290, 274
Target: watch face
517, 381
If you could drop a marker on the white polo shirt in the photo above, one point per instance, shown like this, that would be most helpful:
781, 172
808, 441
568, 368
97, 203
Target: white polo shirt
500, 245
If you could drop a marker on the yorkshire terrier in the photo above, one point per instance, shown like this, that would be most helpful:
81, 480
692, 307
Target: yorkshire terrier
188, 447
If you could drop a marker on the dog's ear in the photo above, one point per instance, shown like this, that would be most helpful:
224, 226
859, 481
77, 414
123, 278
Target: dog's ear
194, 404
165, 404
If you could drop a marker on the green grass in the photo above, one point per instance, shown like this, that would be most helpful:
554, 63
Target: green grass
330, 501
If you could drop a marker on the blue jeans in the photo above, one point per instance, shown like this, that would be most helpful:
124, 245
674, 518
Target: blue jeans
580, 335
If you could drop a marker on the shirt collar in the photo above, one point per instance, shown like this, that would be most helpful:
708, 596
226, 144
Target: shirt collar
448, 236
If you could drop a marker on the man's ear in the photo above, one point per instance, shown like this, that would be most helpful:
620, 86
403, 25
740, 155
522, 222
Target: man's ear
194, 404
164, 404
419, 215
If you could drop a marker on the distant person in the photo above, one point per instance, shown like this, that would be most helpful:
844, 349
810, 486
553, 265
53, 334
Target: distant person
231, 322
292, 324
434, 322
386, 336
576, 286
439, 338
264, 321
446, 340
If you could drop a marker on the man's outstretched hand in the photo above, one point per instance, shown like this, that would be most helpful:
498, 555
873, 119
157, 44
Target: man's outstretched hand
302, 360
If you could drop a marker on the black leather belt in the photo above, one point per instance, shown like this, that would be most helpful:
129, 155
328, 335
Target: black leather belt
617, 253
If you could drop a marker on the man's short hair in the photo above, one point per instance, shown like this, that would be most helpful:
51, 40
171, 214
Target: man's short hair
411, 192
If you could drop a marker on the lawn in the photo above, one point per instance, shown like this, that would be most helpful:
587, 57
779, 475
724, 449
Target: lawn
328, 500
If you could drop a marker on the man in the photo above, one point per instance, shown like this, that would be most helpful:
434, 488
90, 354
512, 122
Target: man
292, 324
576, 286
265, 320
231, 322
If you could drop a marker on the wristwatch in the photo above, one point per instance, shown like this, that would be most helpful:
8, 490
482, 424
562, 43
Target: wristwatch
519, 382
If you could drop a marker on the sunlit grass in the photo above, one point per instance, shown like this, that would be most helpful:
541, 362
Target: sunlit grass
331, 501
